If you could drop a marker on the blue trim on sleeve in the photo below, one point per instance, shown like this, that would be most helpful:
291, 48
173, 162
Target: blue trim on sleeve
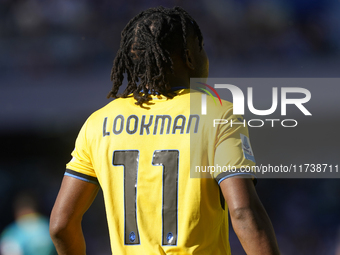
235, 174
82, 177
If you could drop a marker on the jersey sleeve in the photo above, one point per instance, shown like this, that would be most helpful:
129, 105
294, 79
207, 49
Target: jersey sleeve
233, 154
80, 166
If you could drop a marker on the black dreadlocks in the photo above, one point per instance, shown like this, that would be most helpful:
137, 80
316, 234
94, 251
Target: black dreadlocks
145, 50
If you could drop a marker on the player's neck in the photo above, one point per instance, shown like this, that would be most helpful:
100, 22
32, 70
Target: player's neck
179, 81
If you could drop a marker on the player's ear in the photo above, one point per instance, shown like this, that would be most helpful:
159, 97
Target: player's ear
189, 60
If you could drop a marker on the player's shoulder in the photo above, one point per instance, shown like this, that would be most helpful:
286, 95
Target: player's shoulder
213, 105
197, 95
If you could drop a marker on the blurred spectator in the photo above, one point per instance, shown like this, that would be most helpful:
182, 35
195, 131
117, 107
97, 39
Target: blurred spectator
50, 34
337, 251
29, 233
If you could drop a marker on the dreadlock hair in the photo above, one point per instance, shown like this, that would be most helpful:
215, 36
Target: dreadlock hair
145, 50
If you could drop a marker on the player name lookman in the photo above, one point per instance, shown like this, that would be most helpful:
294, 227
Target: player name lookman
151, 124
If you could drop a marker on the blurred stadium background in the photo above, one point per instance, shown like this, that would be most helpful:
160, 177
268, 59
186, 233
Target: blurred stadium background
55, 62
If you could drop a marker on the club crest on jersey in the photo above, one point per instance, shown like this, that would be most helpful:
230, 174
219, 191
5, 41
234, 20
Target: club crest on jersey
247, 151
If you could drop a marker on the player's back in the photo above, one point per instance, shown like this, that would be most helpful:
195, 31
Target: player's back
141, 158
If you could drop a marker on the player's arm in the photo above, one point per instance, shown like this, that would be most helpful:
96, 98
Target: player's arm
248, 216
74, 198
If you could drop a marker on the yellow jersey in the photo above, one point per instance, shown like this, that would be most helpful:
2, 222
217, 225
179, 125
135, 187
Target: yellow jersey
151, 163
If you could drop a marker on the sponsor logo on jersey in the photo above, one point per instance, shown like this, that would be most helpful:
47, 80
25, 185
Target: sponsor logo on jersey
247, 151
